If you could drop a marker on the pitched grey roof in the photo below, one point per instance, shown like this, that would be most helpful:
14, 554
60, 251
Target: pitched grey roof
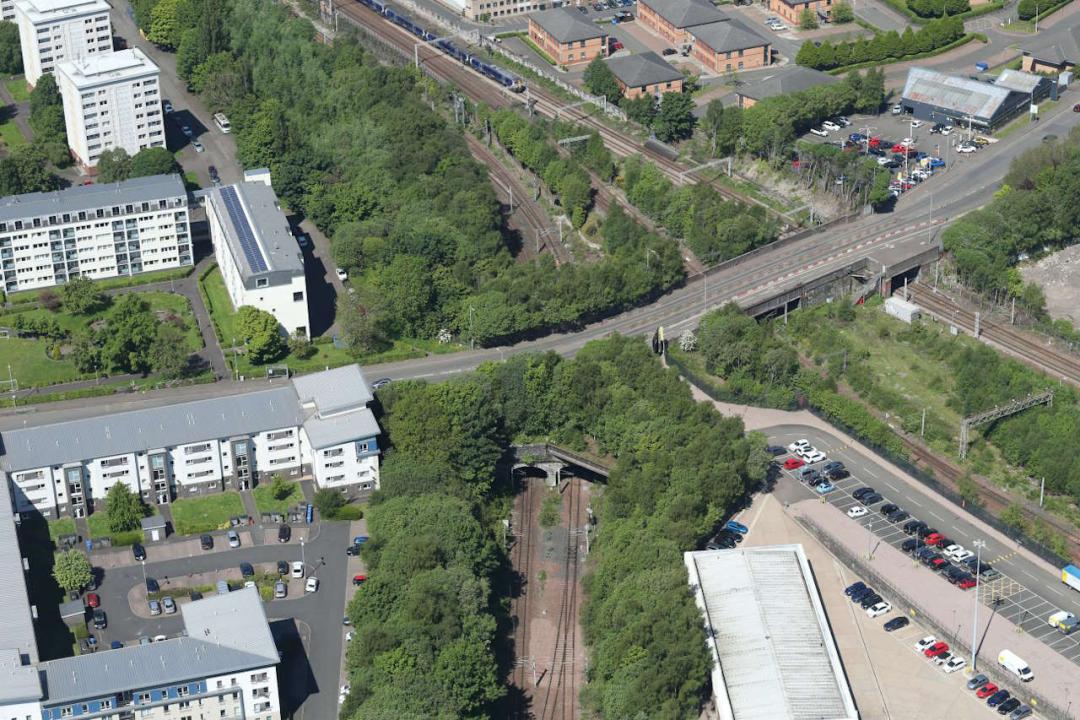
1018, 81
225, 633
334, 391
727, 36
790, 79
327, 432
566, 25
956, 94
18, 682
643, 69
149, 428
91, 197
1057, 46
685, 13
272, 236
152, 522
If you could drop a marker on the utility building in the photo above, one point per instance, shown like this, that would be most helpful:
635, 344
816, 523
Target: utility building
111, 101
961, 101
52, 31
260, 259
100, 231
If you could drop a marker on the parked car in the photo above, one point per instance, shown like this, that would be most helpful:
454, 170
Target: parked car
862, 592
856, 512
878, 610
898, 516
997, 698
909, 545
92, 600
775, 450
168, 604
138, 551
987, 690
167, 107
246, 570
888, 508
965, 149
152, 585
825, 487
933, 538
312, 585
297, 569
198, 146
819, 131
282, 567
720, 543
793, 463
116, 645
214, 177
206, 542
814, 456
837, 473
101, 621
736, 526
284, 533
936, 649
916, 124
234, 539
896, 624
342, 275
830, 126
966, 583
195, 595
925, 643
352, 550
1020, 713
854, 587
669, 51
1008, 706
359, 579
155, 607
280, 589
953, 664
871, 499
842, 121
865, 490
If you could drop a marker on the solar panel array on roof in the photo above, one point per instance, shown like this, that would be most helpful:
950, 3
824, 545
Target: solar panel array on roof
243, 230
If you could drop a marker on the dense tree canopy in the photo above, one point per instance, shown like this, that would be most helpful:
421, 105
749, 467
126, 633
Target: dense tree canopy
883, 47
260, 333
10, 49
599, 80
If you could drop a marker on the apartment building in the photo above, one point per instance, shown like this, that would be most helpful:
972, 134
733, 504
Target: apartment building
567, 37
260, 259
316, 426
491, 9
99, 231
52, 31
111, 101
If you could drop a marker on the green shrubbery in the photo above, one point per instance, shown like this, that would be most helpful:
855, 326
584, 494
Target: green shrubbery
938, 8
883, 47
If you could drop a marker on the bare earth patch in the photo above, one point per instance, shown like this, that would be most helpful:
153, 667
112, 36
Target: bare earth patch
1059, 276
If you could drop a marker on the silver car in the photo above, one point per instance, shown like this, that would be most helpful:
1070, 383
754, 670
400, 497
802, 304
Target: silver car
234, 539
169, 604
155, 607
280, 589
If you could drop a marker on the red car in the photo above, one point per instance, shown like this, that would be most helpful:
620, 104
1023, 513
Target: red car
793, 463
938, 563
933, 538
986, 690
966, 584
92, 600
874, 142
936, 649
359, 579
615, 45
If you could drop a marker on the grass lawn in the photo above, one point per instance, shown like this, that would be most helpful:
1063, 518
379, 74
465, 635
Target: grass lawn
99, 527
12, 135
268, 503
61, 526
16, 85
219, 306
114, 283
30, 366
198, 515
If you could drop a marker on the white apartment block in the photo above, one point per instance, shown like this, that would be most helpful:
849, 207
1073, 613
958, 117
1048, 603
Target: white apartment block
52, 31
492, 9
260, 259
7, 10
316, 426
99, 231
111, 101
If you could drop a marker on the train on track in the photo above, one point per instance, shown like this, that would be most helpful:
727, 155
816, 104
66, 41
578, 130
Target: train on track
507, 80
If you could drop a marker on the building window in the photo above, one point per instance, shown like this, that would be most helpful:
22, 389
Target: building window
262, 282
298, 296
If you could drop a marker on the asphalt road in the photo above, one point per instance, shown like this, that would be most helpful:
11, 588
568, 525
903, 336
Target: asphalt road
308, 680
1030, 593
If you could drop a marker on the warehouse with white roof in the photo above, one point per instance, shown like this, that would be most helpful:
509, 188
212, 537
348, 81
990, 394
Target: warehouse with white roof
774, 657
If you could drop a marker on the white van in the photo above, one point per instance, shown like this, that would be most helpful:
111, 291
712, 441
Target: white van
1016, 665
222, 122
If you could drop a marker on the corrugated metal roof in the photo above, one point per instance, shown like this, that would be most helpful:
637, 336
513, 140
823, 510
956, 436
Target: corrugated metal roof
1056, 46
1018, 81
770, 639
956, 94
334, 391
91, 197
225, 633
565, 25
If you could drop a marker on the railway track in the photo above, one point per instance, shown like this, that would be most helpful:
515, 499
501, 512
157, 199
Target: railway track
1058, 363
522, 560
560, 695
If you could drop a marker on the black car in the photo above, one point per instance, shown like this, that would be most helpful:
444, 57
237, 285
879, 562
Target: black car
214, 177
352, 550
206, 542
284, 533
837, 473
911, 526
854, 587
196, 595
858, 494
997, 698
100, 620
898, 516
896, 623
138, 551
924, 552
282, 567
870, 600
945, 542
888, 508
1008, 706
737, 537
720, 543
833, 465
953, 574
246, 570
668, 51
871, 498
909, 545
775, 450
815, 481
924, 531
861, 593
152, 585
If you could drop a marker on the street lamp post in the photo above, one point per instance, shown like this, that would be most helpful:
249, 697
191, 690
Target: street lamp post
979, 545
303, 560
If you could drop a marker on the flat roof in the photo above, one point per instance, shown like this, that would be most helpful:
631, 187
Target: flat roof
773, 652
109, 68
225, 633
685, 13
958, 94
256, 231
728, 35
334, 391
91, 197
643, 69
565, 24
18, 646
43, 11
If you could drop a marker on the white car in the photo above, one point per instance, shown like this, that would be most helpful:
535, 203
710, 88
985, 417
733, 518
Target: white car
943, 658
856, 512
198, 146
814, 456
798, 445
953, 664
916, 124
349, 636
947, 130
965, 149
249, 583
878, 610
897, 109
343, 694
778, 27
297, 569
842, 121
820, 132
342, 275
167, 107
830, 125
962, 555
925, 643
907, 142
312, 585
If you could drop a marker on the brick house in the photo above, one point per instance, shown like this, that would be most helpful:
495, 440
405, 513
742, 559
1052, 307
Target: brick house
645, 74
791, 10
1052, 52
730, 46
566, 37
671, 19
787, 80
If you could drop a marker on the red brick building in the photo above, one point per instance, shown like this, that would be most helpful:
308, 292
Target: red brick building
791, 10
645, 74
730, 46
671, 19
566, 37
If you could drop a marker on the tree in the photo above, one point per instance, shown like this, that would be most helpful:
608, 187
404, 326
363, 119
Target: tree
124, 508
264, 136
260, 333
300, 347
842, 13
280, 488
1026, 9
361, 328
82, 296
599, 80
49, 300
86, 353
10, 49
24, 171
114, 165
130, 334
72, 570
47, 112
1013, 516
675, 121
807, 19
165, 27
328, 502
641, 109
168, 354
153, 161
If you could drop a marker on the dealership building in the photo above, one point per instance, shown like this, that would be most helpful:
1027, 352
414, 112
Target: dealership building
961, 101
